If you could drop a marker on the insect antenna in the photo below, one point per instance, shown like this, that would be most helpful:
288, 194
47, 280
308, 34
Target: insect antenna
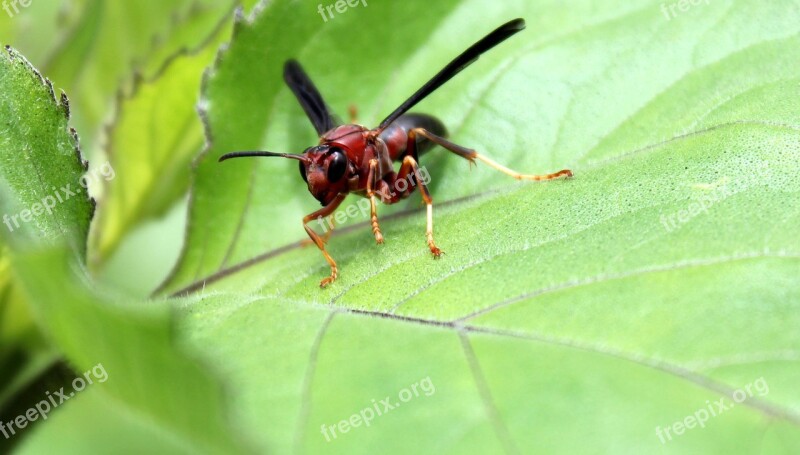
231, 155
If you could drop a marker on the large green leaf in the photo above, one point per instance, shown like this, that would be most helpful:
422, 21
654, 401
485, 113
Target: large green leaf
134, 343
572, 316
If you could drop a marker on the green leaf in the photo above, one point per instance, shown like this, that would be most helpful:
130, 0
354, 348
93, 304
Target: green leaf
156, 132
44, 199
152, 378
134, 343
114, 40
24, 353
572, 316
152, 142
91, 420
536, 130
36, 29
41, 202
15, 321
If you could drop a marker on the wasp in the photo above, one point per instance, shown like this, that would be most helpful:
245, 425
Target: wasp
351, 158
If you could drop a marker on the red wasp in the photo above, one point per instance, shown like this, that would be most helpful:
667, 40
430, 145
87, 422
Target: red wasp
354, 159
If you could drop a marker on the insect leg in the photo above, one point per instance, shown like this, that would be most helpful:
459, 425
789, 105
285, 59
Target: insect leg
472, 155
410, 166
325, 237
319, 241
373, 172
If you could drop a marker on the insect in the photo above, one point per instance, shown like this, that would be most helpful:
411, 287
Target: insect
351, 158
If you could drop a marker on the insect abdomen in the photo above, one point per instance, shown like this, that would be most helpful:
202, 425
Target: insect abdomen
396, 135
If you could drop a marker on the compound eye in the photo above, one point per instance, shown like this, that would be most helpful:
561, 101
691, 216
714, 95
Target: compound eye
337, 165
303, 171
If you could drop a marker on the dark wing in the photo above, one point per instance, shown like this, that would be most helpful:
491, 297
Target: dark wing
307, 94
459, 63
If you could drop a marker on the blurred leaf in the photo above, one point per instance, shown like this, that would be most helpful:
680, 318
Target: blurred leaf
150, 378
113, 40
146, 255
37, 29
152, 142
156, 131
14, 319
147, 374
567, 317
24, 354
22, 368
92, 420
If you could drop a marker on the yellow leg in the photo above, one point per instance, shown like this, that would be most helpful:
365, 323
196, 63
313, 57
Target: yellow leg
319, 241
473, 155
410, 166
376, 228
